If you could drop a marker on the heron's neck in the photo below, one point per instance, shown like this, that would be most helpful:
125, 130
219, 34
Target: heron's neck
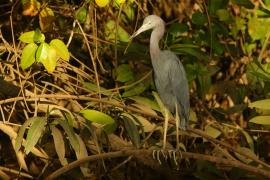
156, 35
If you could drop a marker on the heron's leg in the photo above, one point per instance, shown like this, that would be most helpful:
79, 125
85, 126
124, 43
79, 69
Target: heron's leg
165, 127
177, 125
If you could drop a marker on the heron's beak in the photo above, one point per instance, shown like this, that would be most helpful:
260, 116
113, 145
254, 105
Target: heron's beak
143, 28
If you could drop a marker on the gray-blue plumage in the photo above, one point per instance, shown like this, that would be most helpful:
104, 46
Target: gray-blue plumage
169, 73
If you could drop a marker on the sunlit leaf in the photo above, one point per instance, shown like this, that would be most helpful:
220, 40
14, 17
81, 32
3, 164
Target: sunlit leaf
102, 3
261, 104
100, 118
34, 133
81, 14
119, 2
211, 131
50, 62
258, 28
61, 49
59, 145
42, 52
28, 55
32, 36
262, 120
124, 73
71, 134
30, 7
19, 138
46, 18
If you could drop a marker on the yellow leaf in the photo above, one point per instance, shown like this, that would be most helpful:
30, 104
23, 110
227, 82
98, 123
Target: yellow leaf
46, 18
50, 62
119, 2
102, 3
30, 7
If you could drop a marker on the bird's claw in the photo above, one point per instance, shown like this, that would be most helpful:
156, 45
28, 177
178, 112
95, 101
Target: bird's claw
156, 155
170, 154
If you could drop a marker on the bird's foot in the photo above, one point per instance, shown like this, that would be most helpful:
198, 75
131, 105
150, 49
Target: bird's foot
166, 154
156, 155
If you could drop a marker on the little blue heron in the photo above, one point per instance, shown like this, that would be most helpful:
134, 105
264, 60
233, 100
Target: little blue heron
169, 74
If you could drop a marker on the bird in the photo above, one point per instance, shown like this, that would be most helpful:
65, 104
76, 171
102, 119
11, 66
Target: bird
169, 74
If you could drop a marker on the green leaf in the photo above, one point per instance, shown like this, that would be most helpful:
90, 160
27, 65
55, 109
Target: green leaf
97, 117
211, 131
50, 62
214, 5
262, 120
94, 87
32, 36
183, 50
124, 73
61, 49
145, 123
262, 104
134, 90
81, 154
28, 55
199, 18
42, 52
248, 152
110, 32
59, 145
19, 138
100, 118
34, 133
131, 129
71, 134
249, 139
258, 28
81, 14
223, 14
146, 101
177, 28
245, 3
119, 2
38, 36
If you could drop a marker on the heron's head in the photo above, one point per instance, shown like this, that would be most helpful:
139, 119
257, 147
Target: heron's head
150, 22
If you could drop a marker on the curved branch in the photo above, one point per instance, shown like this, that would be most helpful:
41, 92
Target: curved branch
136, 152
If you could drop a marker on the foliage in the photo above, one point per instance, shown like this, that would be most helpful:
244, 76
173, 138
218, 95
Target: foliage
46, 54
101, 98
